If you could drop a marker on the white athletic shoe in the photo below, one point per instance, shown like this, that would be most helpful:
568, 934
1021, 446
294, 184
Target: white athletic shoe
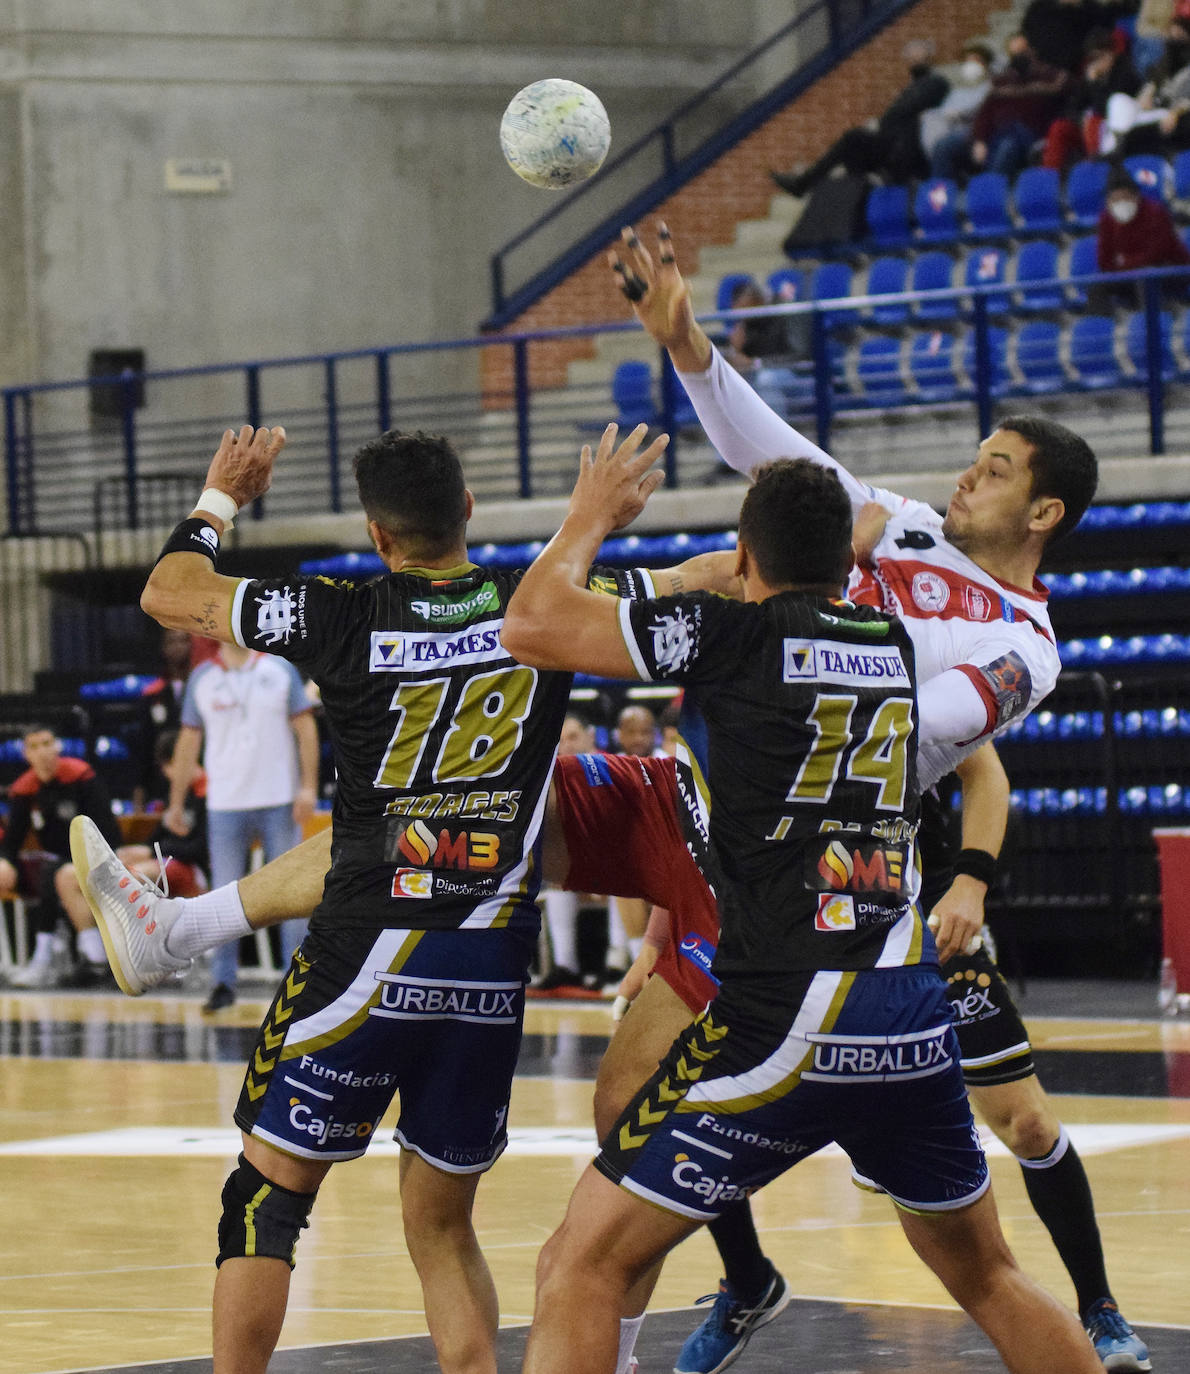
37, 973
133, 915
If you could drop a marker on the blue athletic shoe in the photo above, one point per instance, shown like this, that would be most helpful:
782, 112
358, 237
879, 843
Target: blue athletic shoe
720, 1340
1114, 1340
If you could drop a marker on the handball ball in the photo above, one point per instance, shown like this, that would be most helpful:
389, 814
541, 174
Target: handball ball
555, 133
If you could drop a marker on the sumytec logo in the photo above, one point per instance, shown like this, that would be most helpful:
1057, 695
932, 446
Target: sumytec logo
440, 611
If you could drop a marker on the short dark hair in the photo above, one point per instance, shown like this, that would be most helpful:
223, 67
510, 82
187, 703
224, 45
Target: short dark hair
796, 523
1062, 464
412, 486
38, 728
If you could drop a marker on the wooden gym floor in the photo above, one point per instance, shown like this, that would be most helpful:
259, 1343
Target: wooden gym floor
116, 1136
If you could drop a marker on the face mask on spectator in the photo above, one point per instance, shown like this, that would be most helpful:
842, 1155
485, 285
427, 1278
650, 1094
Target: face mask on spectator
1122, 211
973, 71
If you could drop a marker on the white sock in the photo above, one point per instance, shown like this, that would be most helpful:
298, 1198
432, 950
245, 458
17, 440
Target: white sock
635, 945
561, 917
206, 921
90, 944
629, 1330
44, 946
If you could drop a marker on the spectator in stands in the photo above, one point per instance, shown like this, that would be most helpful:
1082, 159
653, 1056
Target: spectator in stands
1107, 71
1135, 232
1156, 121
889, 146
946, 131
1057, 30
627, 917
42, 803
186, 865
262, 775
176, 653
1023, 101
751, 342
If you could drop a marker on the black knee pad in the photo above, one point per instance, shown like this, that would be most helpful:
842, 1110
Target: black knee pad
260, 1219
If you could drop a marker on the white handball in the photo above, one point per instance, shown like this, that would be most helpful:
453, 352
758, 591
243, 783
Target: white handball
555, 133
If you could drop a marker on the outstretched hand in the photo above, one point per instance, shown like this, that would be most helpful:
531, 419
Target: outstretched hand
243, 463
659, 294
614, 483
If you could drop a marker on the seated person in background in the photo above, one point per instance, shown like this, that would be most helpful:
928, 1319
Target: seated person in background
1156, 120
1107, 71
891, 145
183, 873
42, 803
751, 342
1023, 101
946, 131
1134, 232
1058, 29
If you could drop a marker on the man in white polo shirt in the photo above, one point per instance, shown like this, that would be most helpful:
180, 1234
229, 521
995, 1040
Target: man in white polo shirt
261, 760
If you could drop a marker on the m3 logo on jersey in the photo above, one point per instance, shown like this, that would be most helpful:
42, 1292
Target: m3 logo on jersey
394, 653
469, 849
834, 913
859, 867
413, 882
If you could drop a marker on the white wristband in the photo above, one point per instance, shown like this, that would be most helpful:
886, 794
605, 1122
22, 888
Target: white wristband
218, 503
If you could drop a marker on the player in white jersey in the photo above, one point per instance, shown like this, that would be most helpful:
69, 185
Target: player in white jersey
966, 586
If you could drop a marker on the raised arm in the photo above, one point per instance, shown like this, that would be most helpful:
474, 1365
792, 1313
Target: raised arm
553, 620
184, 592
742, 427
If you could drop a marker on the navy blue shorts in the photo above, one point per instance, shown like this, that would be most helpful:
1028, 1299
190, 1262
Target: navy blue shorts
433, 1015
868, 1059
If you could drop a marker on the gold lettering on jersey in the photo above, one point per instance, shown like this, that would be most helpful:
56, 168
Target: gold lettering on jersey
474, 806
781, 829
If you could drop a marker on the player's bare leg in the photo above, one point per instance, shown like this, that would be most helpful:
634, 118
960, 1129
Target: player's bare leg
608, 1241
460, 1297
1032, 1331
251, 1292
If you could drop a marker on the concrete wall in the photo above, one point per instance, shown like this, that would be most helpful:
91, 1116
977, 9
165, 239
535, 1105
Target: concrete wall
367, 186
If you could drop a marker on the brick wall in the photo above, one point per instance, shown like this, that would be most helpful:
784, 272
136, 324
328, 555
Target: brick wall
737, 187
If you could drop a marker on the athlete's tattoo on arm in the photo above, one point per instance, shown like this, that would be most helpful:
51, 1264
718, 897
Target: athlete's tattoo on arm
677, 583
206, 619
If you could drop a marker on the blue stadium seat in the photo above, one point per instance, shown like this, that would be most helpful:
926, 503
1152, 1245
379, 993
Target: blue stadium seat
936, 210
878, 367
1181, 175
832, 281
1084, 262
1152, 174
728, 285
1136, 344
1037, 276
787, 284
684, 414
1001, 378
933, 272
987, 266
1086, 187
932, 369
1092, 352
987, 206
1038, 357
886, 277
887, 214
789, 390
1036, 197
632, 394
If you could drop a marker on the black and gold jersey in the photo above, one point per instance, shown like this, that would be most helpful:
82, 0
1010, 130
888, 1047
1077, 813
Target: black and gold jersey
443, 743
805, 801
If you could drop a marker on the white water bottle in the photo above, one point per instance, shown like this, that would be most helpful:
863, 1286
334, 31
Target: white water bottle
1167, 992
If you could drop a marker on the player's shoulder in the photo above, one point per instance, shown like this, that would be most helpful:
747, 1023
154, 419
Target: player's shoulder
73, 770
26, 785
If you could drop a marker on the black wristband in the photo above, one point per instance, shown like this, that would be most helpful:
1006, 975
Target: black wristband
192, 536
977, 863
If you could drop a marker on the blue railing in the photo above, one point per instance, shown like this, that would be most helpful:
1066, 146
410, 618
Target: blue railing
55, 460
654, 167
